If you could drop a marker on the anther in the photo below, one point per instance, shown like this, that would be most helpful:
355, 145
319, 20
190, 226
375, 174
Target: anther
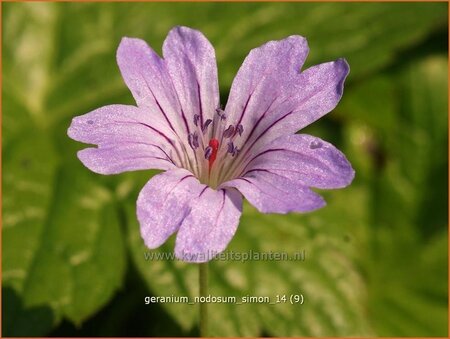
205, 125
193, 140
240, 129
221, 113
228, 132
233, 150
196, 119
230, 147
208, 152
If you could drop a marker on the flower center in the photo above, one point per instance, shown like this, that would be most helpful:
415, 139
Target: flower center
213, 141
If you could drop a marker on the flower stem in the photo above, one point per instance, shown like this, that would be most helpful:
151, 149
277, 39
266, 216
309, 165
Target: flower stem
203, 287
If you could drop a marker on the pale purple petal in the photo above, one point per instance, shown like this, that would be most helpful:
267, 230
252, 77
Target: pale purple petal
192, 66
305, 159
118, 123
127, 140
284, 100
264, 77
272, 193
163, 204
121, 158
210, 225
146, 75
315, 93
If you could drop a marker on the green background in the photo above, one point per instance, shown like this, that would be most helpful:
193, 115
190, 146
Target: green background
376, 256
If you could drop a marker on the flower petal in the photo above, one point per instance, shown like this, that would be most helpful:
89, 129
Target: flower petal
147, 77
191, 62
282, 100
273, 193
123, 158
263, 79
315, 92
117, 123
210, 225
163, 204
127, 138
305, 159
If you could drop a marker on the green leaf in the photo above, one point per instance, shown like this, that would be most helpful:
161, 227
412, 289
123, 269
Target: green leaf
61, 234
405, 259
415, 306
416, 182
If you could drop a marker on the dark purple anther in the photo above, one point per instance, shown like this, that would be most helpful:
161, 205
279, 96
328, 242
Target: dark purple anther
208, 152
205, 125
196, 119
193, 140
228, 132
220, 113
230, 147
240, 129
233, 150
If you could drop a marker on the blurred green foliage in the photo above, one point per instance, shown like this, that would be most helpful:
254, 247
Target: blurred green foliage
73, 260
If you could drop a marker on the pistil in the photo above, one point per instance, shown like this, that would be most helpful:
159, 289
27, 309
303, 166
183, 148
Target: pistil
214, 144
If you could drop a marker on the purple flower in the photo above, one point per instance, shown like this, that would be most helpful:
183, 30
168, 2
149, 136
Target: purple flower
212, 157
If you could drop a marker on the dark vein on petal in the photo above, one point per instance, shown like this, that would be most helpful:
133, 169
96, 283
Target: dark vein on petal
269, 127
262, 153
259, 121
184, 117
158, 132
268, 193
148, 144
245, 108
200, 105
174, 91
257, 170
165, 137
174, 186
218, 215
161, 109
203, 190
262, 134
310, 159
244, 179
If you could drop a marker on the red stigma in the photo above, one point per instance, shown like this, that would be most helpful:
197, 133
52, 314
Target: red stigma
214, 144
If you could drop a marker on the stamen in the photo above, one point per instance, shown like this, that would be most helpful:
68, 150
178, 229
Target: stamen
208, 152
228, 132
240, 129
193, 140
221, 113
196, 119
232, 149
205, 125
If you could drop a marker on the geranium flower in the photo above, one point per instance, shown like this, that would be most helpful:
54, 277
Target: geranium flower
213, 157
